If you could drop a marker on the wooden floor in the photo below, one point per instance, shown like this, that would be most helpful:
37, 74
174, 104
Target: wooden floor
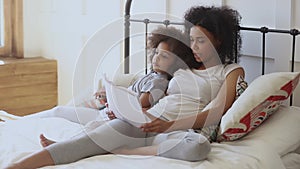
28, 85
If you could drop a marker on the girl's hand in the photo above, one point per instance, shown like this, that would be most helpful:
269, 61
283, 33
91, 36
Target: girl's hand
101, 96
109, 113
157, 126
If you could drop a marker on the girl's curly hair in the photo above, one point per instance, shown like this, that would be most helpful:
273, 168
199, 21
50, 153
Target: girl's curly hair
178, 45
223, 23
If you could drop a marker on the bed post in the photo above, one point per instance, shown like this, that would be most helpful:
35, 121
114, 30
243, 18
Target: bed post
294, 33
126, 36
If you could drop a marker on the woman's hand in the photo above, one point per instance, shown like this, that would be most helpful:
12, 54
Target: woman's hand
158, 126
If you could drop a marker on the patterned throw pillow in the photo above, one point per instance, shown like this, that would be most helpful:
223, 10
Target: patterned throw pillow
261, 99
241, 86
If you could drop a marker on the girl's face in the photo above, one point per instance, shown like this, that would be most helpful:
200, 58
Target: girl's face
203, 45
163, 59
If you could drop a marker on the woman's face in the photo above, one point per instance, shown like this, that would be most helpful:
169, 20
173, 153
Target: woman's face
203, 45
163, 59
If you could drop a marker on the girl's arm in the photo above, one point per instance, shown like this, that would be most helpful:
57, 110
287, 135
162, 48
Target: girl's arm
218, 108
146, 100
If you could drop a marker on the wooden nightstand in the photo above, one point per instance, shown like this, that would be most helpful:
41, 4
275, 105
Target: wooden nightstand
28, 85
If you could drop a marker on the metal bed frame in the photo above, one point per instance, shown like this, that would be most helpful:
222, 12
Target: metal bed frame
263, 30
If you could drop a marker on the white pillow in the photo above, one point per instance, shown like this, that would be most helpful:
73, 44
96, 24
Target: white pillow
280, 131
87, 99
262, 97
125, 80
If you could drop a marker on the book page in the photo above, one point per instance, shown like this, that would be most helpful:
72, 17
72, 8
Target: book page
125, 104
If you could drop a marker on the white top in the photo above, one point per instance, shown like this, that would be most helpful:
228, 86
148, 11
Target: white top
189, 91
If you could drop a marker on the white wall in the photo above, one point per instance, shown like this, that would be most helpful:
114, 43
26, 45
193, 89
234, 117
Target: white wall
59, 29
178, 7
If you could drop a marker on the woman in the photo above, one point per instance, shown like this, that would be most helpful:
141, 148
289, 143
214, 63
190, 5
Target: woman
215, 41
210, 28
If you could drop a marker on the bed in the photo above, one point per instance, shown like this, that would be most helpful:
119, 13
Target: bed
263, 134
256, 150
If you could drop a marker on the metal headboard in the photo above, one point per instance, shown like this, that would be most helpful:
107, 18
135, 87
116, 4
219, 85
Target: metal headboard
263, 30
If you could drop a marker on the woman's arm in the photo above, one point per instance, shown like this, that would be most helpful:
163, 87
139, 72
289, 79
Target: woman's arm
218, 108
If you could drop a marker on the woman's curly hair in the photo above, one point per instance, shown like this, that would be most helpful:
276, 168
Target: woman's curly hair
178, 45
223, 23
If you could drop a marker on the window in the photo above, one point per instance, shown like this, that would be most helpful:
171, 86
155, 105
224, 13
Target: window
11, 28
1, 24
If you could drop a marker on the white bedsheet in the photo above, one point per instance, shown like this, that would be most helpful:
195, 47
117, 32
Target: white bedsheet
291, 161
19, 138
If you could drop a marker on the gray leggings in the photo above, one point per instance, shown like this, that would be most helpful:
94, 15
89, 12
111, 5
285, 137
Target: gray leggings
116, 134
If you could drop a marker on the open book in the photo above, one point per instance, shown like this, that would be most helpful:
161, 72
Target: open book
124, 103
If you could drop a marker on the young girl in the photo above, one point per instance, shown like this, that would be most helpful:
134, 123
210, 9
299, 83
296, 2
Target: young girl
151, 87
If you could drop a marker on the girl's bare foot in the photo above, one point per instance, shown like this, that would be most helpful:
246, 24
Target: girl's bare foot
45, 141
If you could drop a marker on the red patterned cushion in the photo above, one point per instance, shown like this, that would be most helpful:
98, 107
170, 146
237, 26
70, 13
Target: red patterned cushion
262, 98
